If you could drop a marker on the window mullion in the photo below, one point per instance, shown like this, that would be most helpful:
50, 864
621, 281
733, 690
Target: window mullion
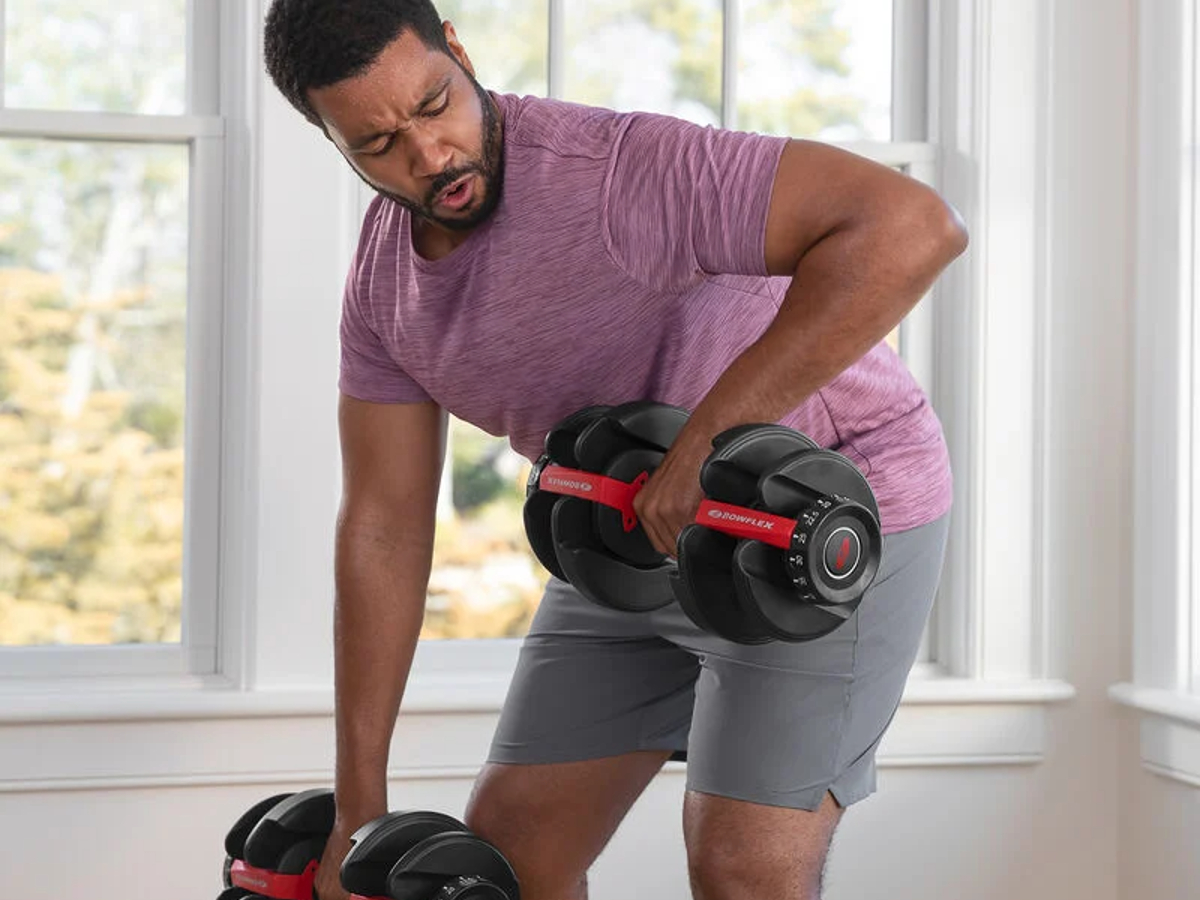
910, 53
203, 432
3, 50
556, 56
203, 87
729, 57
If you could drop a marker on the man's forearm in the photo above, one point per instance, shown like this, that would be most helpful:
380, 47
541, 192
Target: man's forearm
381, 579
848, 292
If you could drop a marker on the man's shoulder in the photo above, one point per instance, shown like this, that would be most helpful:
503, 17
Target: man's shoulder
377, 235
560, 127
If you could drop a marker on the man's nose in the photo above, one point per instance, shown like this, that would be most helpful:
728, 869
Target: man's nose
428, 156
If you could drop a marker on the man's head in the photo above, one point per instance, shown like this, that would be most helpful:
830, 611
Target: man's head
394, 90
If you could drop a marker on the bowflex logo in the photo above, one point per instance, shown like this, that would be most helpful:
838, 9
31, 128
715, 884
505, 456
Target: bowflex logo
570, 485
737, 517
250, 881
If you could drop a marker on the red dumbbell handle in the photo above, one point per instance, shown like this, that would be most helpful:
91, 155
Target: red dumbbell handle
735, 521
598, 488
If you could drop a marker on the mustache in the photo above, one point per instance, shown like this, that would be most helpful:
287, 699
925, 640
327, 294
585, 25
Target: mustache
448, 178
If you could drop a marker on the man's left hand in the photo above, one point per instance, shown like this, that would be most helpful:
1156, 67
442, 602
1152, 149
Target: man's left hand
672, 495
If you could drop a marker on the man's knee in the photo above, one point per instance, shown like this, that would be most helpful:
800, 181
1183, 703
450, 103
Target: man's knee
542, 875
511, 826
743, 851
726, 876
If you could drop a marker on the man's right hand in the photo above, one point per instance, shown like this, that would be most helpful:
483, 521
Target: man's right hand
328, 883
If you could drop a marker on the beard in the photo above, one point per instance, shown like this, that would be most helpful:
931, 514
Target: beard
489, 166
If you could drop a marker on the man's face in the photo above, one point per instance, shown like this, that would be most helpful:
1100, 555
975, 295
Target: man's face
418, 128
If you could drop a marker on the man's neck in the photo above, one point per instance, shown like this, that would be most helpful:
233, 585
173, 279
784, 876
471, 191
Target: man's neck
432, 241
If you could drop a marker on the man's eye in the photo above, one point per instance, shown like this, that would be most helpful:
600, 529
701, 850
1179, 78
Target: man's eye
384, 149
441, 109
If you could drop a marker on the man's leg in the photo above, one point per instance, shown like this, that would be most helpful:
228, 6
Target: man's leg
551, 821
739, 850
596, 706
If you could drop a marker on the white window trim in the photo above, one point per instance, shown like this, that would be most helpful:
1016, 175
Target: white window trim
193, 660
1164, 689
997, 661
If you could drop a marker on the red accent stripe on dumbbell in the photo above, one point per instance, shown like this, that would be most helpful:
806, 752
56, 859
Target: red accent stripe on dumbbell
741, 522
274, 884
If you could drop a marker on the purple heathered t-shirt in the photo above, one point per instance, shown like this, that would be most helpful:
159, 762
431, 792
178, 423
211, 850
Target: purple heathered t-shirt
624, 261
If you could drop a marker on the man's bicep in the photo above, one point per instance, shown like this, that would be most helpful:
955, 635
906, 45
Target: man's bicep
685, 200
819, 189
392, 456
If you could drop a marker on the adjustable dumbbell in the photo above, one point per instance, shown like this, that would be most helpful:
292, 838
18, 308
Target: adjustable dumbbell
783, 547
275, 846
420, 855
785, 543
602, 454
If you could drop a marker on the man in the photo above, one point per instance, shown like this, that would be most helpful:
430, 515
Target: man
525, 258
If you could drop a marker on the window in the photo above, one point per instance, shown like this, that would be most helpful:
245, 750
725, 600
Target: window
835, 70
111, 150
261, 394
1165, 684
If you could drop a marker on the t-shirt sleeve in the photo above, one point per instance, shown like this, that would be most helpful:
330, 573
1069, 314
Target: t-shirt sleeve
367, 371
683, 200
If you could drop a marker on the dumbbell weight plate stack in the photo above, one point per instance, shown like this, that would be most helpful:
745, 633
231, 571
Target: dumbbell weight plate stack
558, 449
601, 551
750, 591
235, 839
274, 847
808, 590
704, 581
419, 855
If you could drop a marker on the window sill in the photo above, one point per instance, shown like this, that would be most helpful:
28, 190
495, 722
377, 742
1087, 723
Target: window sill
175, 738
439, 692
1170, 730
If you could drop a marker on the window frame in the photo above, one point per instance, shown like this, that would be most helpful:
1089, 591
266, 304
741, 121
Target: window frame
201, 128
997, 645
1164, 688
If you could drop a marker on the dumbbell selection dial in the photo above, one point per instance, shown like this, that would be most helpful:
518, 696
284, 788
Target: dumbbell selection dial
835, 546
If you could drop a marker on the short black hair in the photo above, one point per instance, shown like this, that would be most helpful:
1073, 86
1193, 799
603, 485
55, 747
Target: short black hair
316, 43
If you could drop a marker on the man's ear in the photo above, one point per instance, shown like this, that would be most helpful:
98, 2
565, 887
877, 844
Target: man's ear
456, 47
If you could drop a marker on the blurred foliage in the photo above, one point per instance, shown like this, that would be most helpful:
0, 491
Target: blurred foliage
91, 504
475, 483
665, 56
485, 582
118, 56
506, 41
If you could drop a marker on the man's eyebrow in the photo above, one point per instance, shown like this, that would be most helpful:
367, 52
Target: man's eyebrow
430, 95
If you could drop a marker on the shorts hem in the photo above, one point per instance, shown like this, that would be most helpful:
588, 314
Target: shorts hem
545, 754
807, 800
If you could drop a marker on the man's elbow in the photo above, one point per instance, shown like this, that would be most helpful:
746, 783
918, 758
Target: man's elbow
943, 231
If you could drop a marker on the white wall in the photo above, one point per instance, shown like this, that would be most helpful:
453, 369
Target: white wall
137, 805
1160, 830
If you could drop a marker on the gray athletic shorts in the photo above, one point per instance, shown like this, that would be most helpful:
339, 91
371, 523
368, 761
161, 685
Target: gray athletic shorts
777, 724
